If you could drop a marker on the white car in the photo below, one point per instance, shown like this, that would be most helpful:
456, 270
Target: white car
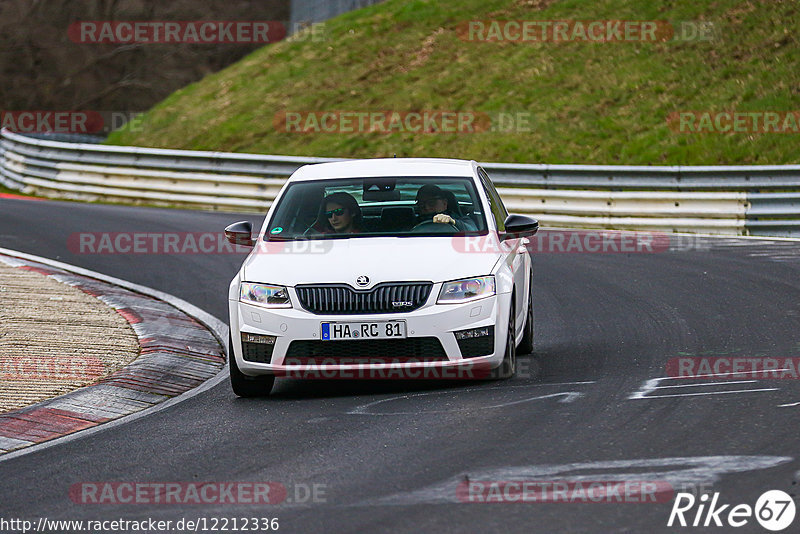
382, 268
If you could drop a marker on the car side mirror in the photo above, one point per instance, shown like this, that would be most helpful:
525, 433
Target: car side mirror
240, 233
519, 226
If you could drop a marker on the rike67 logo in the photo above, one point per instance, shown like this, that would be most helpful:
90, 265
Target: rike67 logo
774, 510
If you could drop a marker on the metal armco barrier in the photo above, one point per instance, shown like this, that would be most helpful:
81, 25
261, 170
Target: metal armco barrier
753, 200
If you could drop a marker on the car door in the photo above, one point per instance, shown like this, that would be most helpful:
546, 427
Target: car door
516, 256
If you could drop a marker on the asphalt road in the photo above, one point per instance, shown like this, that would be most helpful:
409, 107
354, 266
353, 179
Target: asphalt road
389, 456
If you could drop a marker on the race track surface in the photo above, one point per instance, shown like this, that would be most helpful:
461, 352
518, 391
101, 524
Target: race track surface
390, 456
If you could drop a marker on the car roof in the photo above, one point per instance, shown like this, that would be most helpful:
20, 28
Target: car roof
385, 167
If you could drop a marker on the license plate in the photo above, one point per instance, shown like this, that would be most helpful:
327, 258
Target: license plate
378, 330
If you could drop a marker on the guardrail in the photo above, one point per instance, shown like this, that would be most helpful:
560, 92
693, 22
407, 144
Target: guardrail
754, 200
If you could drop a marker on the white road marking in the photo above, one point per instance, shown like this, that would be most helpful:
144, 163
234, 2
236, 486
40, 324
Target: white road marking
706, 384
728, 374
709, 393
649, 385
653, 384
677, 471
789, 405
569, 396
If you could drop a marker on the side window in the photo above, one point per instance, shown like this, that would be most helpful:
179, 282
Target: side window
495, 202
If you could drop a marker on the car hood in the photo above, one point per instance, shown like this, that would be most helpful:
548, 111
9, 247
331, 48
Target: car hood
381, 259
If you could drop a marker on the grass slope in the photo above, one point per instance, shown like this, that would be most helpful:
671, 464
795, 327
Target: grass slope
590, 103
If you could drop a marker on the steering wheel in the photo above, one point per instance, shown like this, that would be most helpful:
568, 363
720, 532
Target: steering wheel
435, 228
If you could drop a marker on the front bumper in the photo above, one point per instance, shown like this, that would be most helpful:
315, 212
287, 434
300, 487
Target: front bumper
429, 321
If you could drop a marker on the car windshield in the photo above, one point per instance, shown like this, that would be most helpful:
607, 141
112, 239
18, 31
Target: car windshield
377, 206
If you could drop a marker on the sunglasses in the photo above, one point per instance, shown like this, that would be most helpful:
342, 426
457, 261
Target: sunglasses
338, 212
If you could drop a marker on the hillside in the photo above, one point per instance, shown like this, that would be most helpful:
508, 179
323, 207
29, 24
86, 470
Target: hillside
581, 101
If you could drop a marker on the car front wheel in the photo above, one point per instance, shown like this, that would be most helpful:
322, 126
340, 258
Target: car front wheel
509, 365
247, 386
526, 345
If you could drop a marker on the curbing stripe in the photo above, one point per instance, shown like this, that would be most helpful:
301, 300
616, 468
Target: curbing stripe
18, 197
39, 422
165, 373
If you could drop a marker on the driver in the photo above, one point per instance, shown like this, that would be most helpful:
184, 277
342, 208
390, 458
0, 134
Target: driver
433, 202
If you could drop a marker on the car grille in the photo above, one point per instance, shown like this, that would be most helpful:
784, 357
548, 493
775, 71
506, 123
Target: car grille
477, 346
340, 299
413, 349
257, 352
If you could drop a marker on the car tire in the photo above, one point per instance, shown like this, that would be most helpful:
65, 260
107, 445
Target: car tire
247, 386
508, 367
526, 345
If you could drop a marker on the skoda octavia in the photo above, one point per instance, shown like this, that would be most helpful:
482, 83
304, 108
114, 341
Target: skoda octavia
382, 268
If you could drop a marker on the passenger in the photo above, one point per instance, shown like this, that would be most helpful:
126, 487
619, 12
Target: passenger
339, 213
434, 203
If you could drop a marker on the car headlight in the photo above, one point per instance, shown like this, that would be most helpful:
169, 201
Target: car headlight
466, 290
264, 295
